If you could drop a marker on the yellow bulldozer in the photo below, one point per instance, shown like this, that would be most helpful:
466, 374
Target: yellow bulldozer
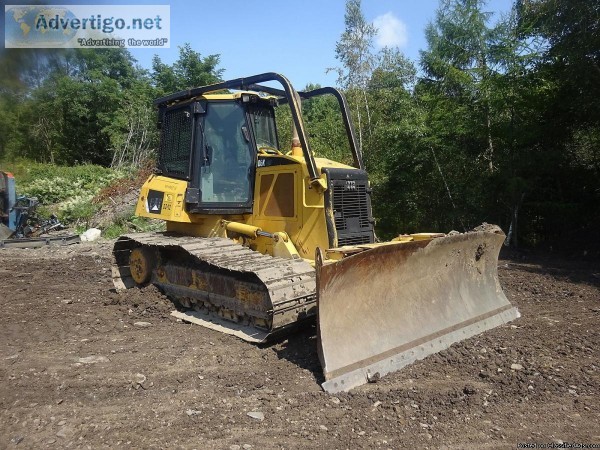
262, 236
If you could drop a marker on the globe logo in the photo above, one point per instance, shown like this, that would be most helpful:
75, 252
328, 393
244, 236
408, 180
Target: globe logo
38, 26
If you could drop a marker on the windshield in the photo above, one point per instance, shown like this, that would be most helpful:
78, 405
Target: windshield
225, 176
263, 123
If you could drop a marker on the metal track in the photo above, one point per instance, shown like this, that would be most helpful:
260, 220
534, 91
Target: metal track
224, 280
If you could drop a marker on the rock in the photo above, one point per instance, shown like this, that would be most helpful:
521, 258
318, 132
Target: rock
93, 359
323, 428
335, 400
61, 423
373, 378
192, 412
67, 302
90, 235
489, 228
256, 415
516, 367
139, 381
142, 324
246, 446
17, 440
469, 390
64, 432
234, 447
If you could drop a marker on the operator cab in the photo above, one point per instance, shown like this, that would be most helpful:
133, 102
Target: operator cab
213, 142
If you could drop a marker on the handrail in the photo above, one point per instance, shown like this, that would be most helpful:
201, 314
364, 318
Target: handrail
291, 96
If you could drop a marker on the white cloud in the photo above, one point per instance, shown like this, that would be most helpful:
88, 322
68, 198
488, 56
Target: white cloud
391, 31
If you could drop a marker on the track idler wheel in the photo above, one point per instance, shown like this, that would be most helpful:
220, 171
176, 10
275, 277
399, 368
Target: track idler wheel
141, 264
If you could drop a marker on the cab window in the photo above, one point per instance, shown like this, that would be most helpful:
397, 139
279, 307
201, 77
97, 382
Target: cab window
226, 171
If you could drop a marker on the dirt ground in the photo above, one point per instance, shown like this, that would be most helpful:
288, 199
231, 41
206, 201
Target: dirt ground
82, 366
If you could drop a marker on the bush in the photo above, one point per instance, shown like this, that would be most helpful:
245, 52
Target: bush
78, 210
125, 225
69, 189
56, 184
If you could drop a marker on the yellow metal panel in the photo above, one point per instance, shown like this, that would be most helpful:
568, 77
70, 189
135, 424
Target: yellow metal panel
324, 162
222, 97
312, 198
203, 226
426, 236
307, 228
172, 205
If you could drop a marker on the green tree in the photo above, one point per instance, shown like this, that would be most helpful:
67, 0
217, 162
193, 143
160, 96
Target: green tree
133, 134
571, 29
481, 99
189, 71
354, 51
88, 105
459, 63
565, 194
325, 127
70, 111
393, 156
86, 95
390, 123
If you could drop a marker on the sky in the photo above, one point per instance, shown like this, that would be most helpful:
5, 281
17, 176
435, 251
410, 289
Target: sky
296, 39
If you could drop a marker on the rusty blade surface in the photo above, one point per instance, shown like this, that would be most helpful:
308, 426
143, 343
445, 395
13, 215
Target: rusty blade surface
384, 308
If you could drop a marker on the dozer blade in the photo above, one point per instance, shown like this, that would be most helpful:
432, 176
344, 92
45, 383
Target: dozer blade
386, 307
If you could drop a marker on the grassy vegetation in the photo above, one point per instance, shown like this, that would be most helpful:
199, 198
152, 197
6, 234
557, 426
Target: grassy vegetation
75, 194
132, 223
64, 191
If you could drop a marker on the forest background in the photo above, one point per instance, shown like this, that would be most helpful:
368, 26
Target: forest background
497, 121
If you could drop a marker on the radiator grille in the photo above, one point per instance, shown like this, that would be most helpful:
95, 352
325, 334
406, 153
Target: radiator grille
351, 211
351, 204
